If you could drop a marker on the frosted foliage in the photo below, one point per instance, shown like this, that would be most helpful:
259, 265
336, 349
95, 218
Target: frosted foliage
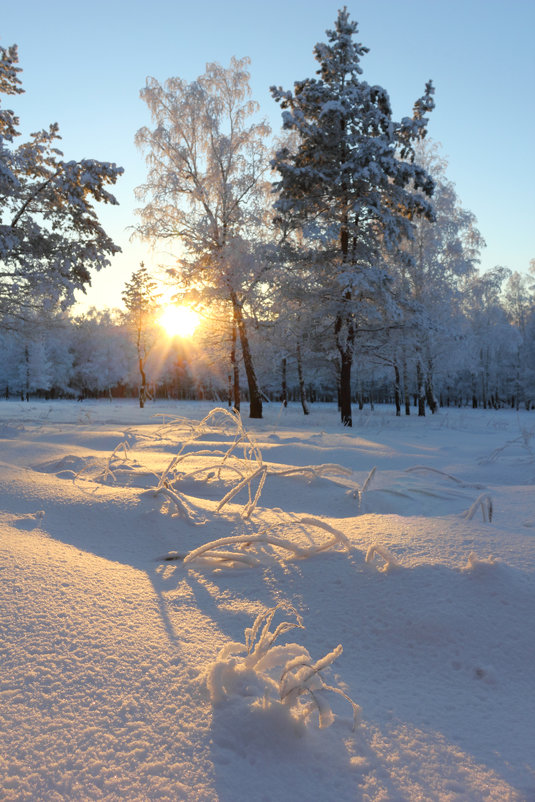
50, 236
275, 674
206, 182
354, 163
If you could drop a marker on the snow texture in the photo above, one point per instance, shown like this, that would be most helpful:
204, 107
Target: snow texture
125, 674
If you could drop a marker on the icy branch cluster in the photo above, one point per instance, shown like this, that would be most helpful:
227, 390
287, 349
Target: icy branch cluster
269, 674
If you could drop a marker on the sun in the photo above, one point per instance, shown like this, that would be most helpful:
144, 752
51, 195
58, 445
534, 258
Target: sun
179, 321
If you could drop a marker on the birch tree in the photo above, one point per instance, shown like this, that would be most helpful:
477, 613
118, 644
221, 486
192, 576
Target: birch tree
206, 188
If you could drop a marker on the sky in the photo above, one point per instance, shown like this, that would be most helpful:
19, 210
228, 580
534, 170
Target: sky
85, 63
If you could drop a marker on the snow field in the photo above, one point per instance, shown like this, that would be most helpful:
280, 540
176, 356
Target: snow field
105, 644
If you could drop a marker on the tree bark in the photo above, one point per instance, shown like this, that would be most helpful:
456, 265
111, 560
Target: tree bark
143, 386
302, 393
255, 398
345, 387
397, 390
284, 384
235, 368
421, 389
406, 394
429, 391
345, 349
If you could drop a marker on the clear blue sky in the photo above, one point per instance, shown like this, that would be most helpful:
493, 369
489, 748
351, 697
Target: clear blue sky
84, 64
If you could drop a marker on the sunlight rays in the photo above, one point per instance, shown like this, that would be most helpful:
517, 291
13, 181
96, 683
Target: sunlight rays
179, 321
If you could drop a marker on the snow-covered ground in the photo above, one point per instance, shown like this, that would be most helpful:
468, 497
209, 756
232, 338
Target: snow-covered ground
113, 683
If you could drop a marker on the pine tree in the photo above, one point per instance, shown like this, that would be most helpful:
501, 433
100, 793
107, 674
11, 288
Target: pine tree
141, 299
353, 174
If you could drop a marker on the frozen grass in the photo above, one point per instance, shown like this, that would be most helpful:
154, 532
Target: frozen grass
254, 549
389, 561
484, 503
269, 674
428, 469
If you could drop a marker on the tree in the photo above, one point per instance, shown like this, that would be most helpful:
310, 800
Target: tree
353, 173
494, 342
443, 256
206, 188
50, 236
519, 304
100, 350
141, 299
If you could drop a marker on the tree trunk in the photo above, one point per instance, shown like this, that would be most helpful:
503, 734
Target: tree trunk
302, 394
345, 349
421, 389
255, 398
284, 384
345, 388
429, 391
143, 386
397, 390
235, 368
27, 371
406, 394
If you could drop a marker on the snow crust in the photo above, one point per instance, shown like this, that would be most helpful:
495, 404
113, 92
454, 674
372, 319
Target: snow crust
107, 633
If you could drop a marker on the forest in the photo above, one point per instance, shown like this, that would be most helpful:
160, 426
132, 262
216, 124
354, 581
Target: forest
332, 262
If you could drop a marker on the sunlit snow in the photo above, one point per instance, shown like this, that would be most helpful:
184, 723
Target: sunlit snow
137, 552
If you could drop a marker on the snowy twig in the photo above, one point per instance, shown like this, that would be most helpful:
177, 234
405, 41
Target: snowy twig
442, 473
485, 502
358, 493
389, 559
212, 551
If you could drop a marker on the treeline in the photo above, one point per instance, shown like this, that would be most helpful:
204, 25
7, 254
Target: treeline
481, 353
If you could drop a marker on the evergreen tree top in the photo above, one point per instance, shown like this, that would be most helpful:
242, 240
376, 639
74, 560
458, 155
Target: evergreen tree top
342, 55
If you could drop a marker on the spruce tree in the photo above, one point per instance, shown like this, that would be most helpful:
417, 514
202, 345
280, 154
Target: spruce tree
352, 172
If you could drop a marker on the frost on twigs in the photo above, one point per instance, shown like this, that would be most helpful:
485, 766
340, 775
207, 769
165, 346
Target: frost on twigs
268, 546
428, 469
389, 561
239, 465
484, 501
359, 492
270, 675
524, 441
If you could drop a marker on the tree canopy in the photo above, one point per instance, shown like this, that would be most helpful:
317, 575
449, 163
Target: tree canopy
50, 235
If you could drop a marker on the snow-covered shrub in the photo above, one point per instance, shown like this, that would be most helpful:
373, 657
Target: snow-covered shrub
271, 675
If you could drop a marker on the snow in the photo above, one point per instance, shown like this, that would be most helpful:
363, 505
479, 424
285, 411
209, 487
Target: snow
106, 646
